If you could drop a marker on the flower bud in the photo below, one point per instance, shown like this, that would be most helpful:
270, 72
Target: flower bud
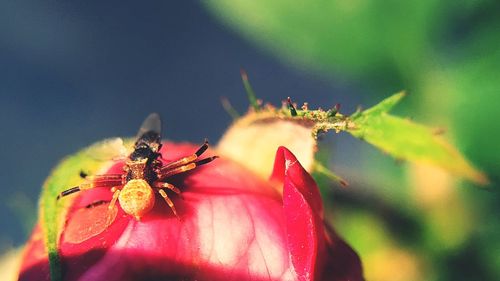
232, 225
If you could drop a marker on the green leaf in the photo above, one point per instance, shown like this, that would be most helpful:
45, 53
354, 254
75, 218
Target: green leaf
260, 132
407, 140
384, 106
64, 176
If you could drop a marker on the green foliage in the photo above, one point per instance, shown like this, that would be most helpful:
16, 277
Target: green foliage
474, 75
65, 176
407, 140
336, 35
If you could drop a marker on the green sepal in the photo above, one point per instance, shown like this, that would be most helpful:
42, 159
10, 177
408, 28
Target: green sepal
398, 137
252, 98
66, 175
321, 169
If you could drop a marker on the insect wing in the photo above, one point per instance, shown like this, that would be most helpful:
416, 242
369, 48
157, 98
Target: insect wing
152, 124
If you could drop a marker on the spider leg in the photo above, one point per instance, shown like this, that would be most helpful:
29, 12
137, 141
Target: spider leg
205, 160
169, 202
68, 192
178, 170
110, 177
94, 181
170, 186
187, 159
112, 210
116, 193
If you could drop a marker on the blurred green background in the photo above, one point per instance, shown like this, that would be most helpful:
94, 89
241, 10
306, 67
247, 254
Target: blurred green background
407, 222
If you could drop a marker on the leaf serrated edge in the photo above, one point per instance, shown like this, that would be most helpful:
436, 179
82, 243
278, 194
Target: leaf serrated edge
384, 106
381, 110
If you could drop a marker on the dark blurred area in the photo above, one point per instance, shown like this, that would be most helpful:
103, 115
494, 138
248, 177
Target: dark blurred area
72, 73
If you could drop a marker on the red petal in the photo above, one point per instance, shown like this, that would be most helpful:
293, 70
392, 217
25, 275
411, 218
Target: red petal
286, 165
35, 265
233, 226
303, 215
343, 264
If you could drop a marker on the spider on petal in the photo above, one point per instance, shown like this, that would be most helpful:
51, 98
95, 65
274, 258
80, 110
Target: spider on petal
143, 174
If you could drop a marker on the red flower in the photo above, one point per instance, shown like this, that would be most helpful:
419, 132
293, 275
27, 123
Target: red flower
232, 226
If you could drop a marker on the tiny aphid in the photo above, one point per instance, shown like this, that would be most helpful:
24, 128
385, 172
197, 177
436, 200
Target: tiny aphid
143, 173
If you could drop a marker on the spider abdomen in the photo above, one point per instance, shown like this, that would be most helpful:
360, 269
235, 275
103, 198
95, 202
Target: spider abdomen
137, 198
